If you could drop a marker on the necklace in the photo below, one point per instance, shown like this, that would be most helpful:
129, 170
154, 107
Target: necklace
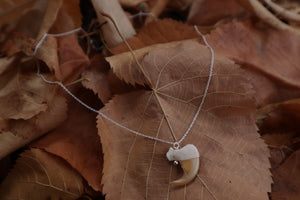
188, 156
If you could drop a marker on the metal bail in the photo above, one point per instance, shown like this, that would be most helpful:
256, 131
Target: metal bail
176, 145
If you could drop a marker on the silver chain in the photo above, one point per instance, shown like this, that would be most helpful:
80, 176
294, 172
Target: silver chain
176, 145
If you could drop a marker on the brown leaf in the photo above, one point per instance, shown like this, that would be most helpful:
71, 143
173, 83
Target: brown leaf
284, 114
133, 75
286, 179
73, 10
26, 29
114, 9
130, 3
20, 132
269, 56
233, 159
257, 8
162, 31
22, 94
156, 7
97, 78
63, 55
39, 175
77, 141
209, 12
279, 128
100, 78
30, 29
37, 19
72, 59
13, 10
49, 18
180, 5
29, 106
286, 10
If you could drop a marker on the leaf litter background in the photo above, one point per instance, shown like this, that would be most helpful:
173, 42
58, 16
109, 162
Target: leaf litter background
53, 148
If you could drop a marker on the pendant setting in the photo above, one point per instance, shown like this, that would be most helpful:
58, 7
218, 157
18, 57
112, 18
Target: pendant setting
188, 157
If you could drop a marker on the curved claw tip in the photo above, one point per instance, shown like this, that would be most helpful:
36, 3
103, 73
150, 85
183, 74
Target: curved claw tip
188, 156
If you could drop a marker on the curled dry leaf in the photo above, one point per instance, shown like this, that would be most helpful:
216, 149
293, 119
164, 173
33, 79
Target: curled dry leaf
63, 55
29, 107
131, 3
132, 75
233, 159
22, 94
269, 56
280, 144
36, 20
162, 31
286, 113
180, 4
156, 7
114, 9
49, 17
72, 59
210, 12
76, 139
283, 12
18, 133
257, 8
279, 127
39, 175
12, 10
286, 179
97, 78
73, 11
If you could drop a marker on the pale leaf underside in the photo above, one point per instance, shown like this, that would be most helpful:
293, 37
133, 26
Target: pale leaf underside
233, 159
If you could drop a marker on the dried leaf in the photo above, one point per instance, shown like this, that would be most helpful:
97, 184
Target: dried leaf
279, 140
133, 75
233, 159
130, 3
13, 10
29, 107
22, 94
279, 128
72, 59
269, 56
40, 175
180, 5
257, 8
20, 132
113, 8
284, 12
21, 38
97, 78
63, 55
73, 10
286, 179
76, 140
284, 114
55, 52
50, 15
162, 31
156, 7
209, 12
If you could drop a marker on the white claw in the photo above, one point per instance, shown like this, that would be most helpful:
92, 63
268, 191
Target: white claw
188, 156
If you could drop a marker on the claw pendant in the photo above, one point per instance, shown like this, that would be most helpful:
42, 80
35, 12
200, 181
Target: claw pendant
188, 157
